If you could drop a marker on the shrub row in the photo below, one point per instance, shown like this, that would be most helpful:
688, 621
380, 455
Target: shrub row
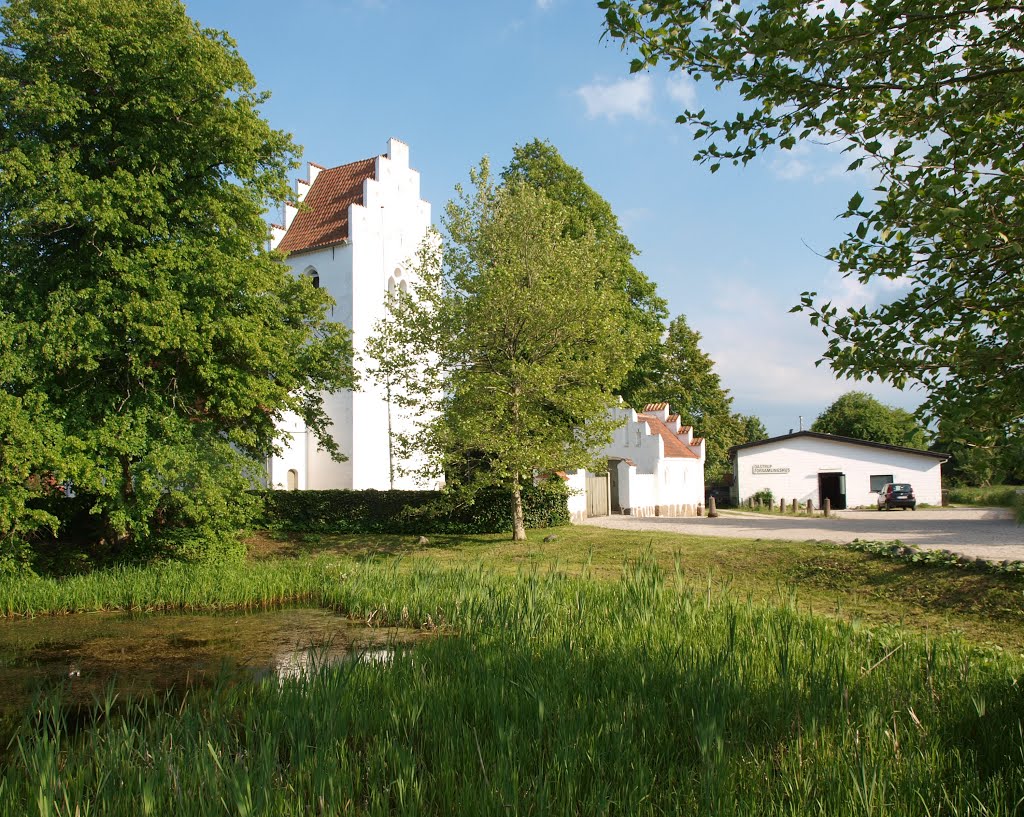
946, 558
412, 512
1000, 496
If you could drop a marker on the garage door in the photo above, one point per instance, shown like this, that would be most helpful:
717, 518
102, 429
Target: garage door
597, 495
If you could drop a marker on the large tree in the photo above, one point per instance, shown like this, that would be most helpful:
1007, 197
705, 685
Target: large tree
147, 324
540, 165
859, 415
929, 98
684, 376
514, 341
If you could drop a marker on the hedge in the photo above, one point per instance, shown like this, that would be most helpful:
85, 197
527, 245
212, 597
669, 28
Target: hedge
413, 512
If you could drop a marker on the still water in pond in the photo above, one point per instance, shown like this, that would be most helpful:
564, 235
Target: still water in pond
140, 654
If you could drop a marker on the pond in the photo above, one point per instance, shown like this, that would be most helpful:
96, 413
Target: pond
157, 652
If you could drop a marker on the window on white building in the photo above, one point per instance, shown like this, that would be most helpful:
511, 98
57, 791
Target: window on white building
314, 277
293, 479
878, 481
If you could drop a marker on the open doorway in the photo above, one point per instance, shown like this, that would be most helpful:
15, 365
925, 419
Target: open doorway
613, 485
832, 486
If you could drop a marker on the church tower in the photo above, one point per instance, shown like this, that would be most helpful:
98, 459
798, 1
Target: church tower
362, 226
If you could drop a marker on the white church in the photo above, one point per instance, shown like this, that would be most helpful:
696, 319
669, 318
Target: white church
361, 225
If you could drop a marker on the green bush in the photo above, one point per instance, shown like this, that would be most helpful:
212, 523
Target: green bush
1001, 496
412, 512
764, 496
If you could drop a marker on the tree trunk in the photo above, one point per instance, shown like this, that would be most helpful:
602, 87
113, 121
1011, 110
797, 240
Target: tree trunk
518, 525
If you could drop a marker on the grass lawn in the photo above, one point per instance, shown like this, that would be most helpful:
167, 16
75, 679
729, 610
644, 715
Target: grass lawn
824, 578
603, 673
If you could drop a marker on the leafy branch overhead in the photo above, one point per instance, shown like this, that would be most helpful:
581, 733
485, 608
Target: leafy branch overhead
928, 100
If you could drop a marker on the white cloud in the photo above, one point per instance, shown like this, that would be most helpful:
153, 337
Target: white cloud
846, 292
682, 89
627, 97
765, 355
789, 167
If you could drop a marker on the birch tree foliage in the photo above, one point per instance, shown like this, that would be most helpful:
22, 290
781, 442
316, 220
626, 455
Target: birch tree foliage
516, 337
165, 341
540, 165
930, 100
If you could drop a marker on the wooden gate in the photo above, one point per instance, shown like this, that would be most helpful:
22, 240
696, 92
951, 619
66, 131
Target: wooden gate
597, 495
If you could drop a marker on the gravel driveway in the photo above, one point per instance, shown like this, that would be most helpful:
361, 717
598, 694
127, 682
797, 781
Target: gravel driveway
985, 533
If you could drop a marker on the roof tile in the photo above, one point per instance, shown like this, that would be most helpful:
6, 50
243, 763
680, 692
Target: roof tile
674, 447
324, 221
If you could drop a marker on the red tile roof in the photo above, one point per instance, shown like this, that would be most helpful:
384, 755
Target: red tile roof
324, 221
674, 446
656, 407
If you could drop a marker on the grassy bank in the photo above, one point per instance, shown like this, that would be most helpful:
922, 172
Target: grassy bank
557, 695
823, 578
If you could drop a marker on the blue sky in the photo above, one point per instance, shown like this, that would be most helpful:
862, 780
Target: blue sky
457, 79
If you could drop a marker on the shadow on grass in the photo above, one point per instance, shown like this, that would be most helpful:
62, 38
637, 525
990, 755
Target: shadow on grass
276, 545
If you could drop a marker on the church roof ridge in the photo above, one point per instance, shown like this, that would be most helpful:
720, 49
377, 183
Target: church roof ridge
324, 220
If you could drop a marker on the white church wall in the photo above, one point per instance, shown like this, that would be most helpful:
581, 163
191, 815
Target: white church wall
287, 470
386, 232
324, 472
333, 267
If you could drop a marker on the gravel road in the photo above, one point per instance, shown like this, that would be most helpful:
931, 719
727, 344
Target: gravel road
985, 533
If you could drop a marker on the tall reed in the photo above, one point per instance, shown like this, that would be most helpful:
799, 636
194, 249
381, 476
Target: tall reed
548, 695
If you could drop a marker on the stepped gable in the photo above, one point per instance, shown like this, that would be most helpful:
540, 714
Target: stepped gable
324, 220
674, 444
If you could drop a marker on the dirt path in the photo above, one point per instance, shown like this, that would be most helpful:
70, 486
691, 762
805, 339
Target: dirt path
980, 532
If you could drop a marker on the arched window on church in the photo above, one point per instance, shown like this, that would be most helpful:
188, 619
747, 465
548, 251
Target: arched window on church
314, 277
396, 283
293, 479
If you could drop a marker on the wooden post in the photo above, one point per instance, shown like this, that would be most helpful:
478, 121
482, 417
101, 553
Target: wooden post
794, 507
782, 506
712, 509
700, 509
810, 508
827, 507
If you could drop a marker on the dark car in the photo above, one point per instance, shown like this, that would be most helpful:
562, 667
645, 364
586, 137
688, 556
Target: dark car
897, 495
